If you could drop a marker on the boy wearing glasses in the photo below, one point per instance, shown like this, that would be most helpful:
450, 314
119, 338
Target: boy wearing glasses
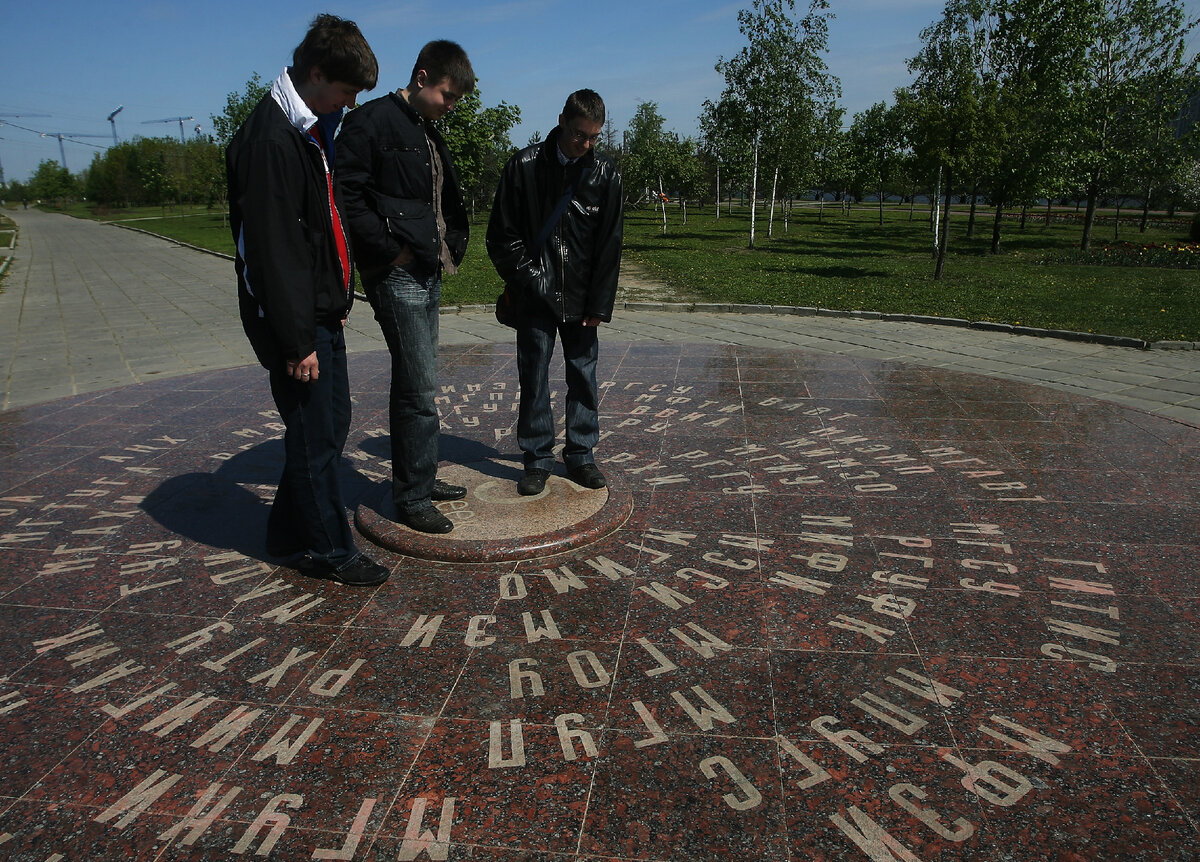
554, 236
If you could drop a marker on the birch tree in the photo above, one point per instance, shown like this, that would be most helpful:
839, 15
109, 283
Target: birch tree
780, 80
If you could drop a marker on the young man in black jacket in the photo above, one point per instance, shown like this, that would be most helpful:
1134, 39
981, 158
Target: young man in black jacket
555, 238
294, 287
408, 223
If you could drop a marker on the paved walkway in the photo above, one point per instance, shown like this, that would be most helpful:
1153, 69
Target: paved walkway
87, 307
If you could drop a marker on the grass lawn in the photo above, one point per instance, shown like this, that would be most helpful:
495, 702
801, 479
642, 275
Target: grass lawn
850, 262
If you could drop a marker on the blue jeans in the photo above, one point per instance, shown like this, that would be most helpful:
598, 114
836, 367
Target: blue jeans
535, 421
308, 513
406, 306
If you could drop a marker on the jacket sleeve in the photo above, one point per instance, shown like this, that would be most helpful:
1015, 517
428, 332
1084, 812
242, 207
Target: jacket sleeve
357, 154
277, 244
602, 294
509, 234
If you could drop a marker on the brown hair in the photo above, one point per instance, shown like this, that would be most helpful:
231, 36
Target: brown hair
339, 50
586, 104
442, 58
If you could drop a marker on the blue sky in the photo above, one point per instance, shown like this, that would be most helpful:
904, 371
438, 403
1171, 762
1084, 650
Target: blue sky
77, 61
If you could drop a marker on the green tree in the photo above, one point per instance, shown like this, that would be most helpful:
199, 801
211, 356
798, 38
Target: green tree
1036, 55
478, 138
780, 80
876, 146
237, 108
831, 158
724, 131
949, 106
1136, 74
655, 160
158, 171
52, 182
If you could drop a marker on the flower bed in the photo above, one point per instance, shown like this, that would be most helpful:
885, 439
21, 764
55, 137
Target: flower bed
1173, 256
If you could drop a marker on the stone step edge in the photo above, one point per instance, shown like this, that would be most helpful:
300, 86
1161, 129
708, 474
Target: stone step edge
806, 311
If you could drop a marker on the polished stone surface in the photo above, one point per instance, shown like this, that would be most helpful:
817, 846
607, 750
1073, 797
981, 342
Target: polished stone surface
856, 609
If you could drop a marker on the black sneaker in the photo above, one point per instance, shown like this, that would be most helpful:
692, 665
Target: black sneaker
587, 475
426, 520
533, 482
363, 572
443, 491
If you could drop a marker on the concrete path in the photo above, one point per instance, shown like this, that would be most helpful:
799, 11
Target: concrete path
87, 306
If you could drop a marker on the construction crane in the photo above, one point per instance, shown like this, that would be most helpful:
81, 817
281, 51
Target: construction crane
112, 118
70, 136
15, 116
180, 120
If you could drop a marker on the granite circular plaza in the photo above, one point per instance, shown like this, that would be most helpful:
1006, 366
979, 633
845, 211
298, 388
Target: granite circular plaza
829, 608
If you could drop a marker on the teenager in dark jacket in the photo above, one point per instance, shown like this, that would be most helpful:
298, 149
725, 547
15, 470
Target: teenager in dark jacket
408, 224
555, 238
294, 276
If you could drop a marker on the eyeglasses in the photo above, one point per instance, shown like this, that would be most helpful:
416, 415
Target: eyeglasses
580, 137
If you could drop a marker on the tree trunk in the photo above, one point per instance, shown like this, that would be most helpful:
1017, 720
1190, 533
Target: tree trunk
683, 203
1047, 210
935, 210
662, 202
1089, 217
971, 218
1146, 210
754, 193
1024, 214
996, 227
718, 189
1117, 222
912, 202
945, 232
881, 204
771, 215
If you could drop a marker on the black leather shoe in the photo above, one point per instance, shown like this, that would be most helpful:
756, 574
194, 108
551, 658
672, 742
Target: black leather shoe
587, 475
363, 572
443, 491
426, 520
533, 482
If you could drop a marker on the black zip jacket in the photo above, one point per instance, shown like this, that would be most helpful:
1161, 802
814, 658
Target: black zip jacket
289, 274
386, 173
575, 274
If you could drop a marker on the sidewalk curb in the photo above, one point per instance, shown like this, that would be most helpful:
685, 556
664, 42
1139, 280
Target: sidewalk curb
169, 239
806, 311
932, 320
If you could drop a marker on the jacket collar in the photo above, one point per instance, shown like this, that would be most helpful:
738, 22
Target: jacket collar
283, 91
409, 110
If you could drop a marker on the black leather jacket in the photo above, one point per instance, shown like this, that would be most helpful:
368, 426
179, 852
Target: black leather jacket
574, 275
384, 165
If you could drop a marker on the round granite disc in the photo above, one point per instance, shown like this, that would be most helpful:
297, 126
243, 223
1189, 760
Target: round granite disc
494, 523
